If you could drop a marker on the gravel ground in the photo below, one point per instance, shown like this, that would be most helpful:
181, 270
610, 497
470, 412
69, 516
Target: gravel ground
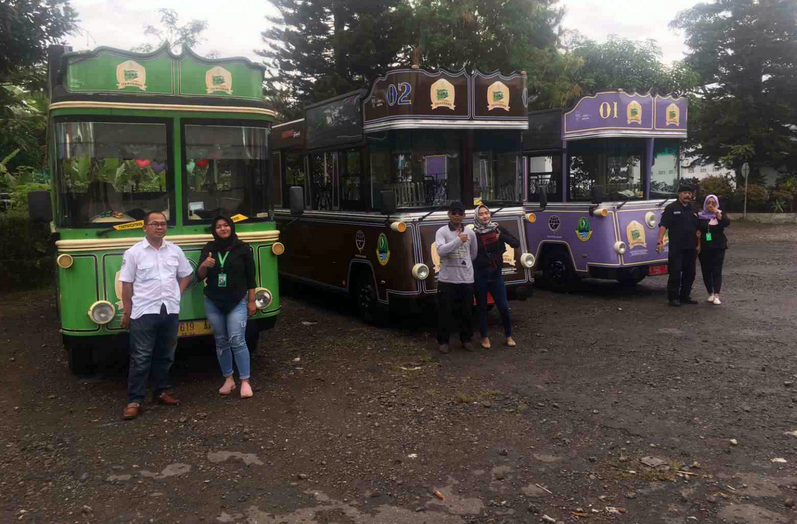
613, 408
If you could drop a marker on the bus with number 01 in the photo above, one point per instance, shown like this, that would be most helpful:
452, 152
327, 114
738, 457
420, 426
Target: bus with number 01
130, 133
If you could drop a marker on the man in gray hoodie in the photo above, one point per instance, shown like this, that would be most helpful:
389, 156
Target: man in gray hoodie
457, 247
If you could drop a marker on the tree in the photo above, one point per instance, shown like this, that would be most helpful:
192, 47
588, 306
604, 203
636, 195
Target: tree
745, 52
171, 32
620, 63
317, 49
722, 186
28, 29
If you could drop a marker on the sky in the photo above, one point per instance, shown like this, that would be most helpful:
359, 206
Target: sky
235, 25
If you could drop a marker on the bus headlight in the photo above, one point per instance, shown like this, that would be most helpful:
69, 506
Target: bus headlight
278, 248
398, 227
263, 298
65, 261
527, 260
420, 271
651, 220
620, 247
102, 312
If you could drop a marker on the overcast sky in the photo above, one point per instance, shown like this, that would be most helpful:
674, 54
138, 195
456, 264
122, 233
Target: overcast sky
235, 25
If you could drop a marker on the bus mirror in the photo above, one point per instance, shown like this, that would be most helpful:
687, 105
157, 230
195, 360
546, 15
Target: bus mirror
40, 208
597, 194
297, 201
388, 205
543, 197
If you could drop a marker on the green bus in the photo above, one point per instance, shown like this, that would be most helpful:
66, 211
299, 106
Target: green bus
131, 133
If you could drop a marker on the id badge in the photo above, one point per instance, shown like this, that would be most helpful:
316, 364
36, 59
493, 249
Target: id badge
708, 237
222, 280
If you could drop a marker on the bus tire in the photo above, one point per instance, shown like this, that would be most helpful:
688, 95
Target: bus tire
81, 357
366, 300
557, 269
252, 336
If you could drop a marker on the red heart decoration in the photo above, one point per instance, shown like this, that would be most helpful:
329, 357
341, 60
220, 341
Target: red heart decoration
142, 163
202, 163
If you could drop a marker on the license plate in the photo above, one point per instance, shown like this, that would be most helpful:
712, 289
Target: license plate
657, 270
194, 328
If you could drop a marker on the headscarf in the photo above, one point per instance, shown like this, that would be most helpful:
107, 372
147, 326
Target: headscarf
480, 228
705, 214
222, 244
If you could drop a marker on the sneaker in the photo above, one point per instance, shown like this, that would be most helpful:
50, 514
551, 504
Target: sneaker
717, 300
443, 348
674, 303
710, 298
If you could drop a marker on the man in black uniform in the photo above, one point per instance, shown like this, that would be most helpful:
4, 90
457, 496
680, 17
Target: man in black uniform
682, 222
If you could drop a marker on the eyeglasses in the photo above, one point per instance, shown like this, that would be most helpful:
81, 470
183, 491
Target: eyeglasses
457, 213
157, 224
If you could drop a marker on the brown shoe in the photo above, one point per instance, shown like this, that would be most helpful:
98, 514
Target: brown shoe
132, 410
167, 399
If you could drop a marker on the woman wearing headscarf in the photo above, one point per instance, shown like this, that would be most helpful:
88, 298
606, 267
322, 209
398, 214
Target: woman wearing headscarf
713, 245
229, 267
488, 271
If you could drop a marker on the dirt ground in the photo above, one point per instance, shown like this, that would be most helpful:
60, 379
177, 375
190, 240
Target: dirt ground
353, 424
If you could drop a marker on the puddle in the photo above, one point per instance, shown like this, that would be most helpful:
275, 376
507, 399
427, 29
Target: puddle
223, 456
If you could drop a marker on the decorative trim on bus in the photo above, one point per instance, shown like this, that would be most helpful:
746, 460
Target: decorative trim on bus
65, 246
162, 107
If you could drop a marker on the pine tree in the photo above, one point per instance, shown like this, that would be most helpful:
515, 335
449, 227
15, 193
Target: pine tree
745, 52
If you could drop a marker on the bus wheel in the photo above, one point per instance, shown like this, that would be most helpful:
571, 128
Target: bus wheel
558, 271
366, 300
252, 336
81, 361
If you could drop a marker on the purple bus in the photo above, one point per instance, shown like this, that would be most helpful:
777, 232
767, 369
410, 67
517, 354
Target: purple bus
598, 178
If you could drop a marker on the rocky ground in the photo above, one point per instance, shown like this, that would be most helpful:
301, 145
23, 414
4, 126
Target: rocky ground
613, 408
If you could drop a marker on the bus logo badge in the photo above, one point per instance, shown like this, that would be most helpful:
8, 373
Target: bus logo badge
583, 229
382, 250
673, 117
498, 96
131, 74
442, 94
218, 79
554, 223
360, 240
636, 235
634, 113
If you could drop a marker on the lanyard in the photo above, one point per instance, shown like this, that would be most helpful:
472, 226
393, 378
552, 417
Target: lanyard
222, 258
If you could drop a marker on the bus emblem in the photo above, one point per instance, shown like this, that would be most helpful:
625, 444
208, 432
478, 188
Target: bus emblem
583, 229
360, 240
218, 79
636, 235
443, 94
634, 113
382, 250
498, 96
131, 74
673, 115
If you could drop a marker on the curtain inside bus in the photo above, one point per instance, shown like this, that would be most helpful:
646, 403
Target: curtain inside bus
497, 167
615, 164
112, 172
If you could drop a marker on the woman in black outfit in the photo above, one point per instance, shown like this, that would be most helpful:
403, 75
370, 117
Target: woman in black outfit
488, 272
229, 266
713, 245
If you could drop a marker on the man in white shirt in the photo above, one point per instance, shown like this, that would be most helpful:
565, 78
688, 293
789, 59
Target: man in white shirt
154, 275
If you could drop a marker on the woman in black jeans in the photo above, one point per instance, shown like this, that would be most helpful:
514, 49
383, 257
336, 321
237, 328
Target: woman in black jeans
713, 245
487, 271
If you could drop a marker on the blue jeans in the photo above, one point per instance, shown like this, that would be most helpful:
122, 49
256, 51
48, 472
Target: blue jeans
230, 333
492, 281
153, 340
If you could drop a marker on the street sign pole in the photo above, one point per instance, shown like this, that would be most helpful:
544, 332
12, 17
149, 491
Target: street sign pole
745, 172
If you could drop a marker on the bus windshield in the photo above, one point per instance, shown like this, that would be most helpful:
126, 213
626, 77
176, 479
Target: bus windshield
111, 172
226, 171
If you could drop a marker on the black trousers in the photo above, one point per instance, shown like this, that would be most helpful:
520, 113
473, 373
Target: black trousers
682, 268
454, 311
711, 261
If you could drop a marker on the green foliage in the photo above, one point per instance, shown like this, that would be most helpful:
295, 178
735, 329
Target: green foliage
172, 33
745, 52
26, 259
620, 63
755, 194
722, 186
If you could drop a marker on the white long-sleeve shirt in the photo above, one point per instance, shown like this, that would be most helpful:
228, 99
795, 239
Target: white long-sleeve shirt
456, 256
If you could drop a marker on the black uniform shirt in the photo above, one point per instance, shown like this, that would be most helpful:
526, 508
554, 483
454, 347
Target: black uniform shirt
682, 223
239, 267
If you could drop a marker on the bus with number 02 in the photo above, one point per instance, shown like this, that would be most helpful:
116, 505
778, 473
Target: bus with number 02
130, 133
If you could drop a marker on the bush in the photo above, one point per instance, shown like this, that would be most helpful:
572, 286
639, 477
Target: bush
722, 186
26, 260
757, 197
